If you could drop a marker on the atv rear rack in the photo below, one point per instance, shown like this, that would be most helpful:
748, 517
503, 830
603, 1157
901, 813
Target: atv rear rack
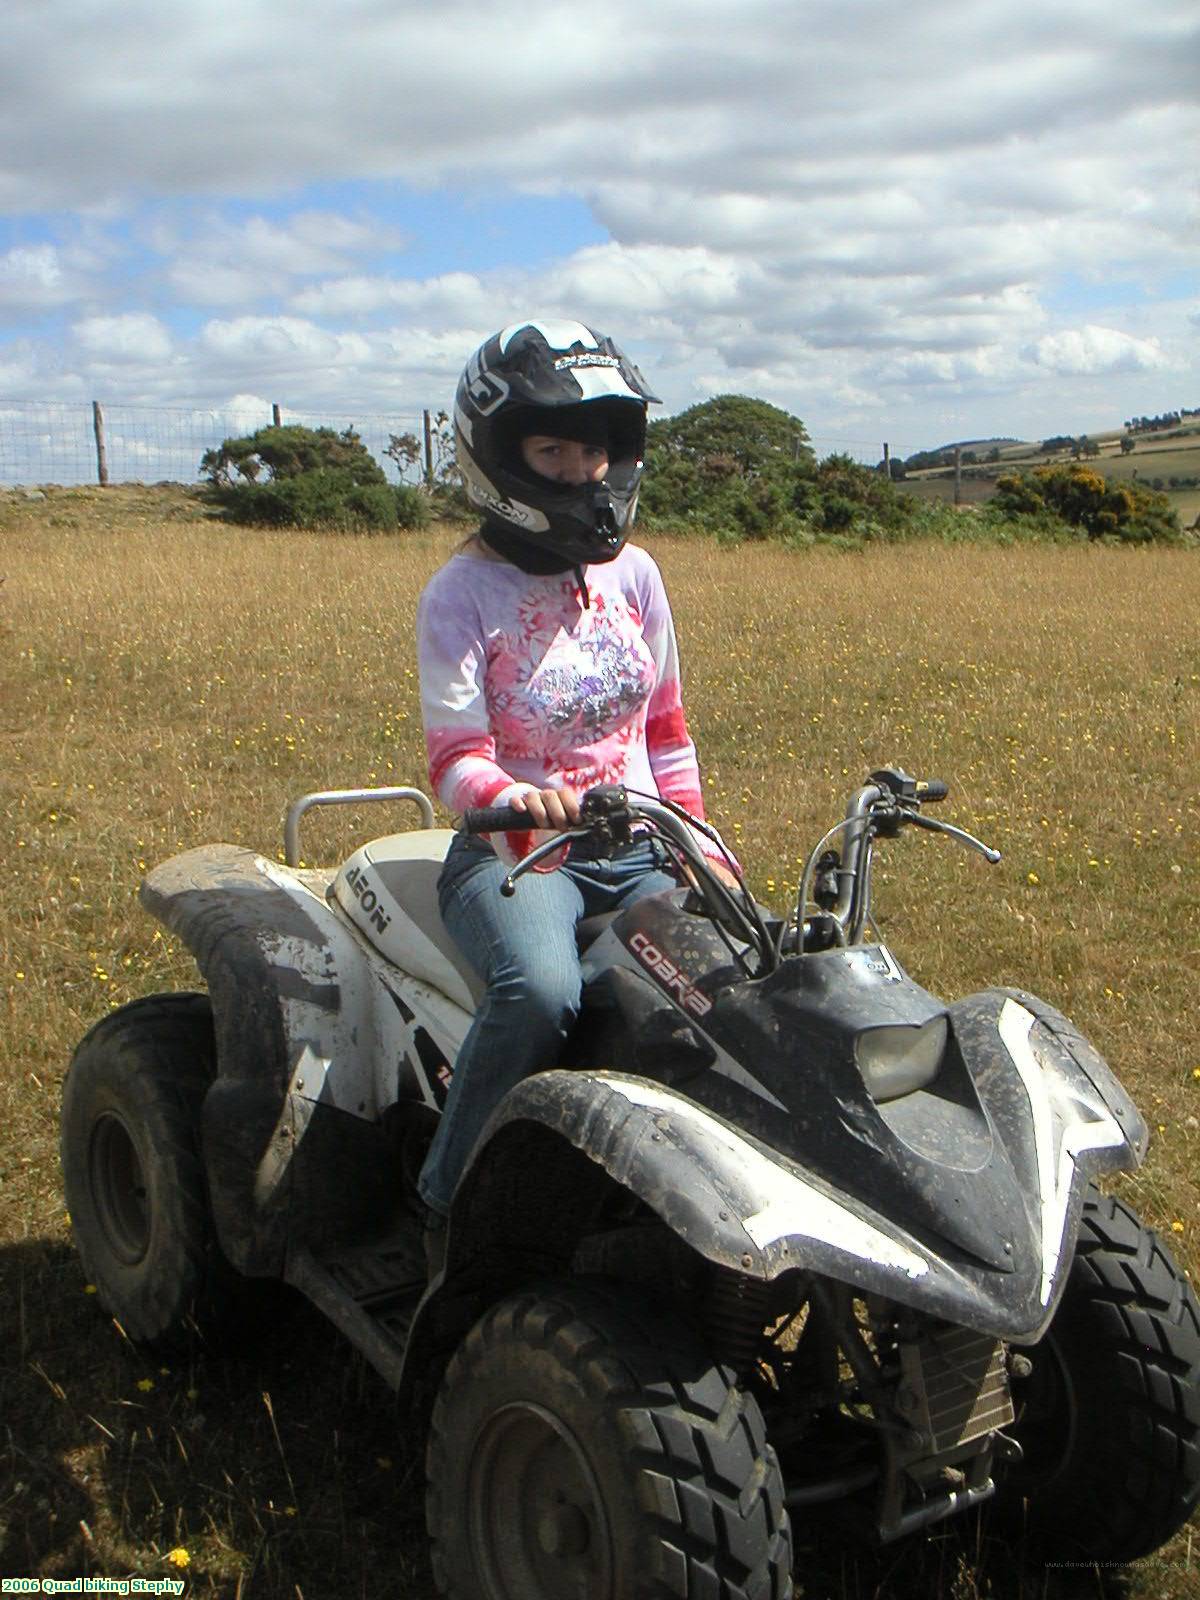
343, 797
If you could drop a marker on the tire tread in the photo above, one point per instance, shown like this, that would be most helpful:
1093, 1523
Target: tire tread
1132, 1323
707, 1476
157, 1054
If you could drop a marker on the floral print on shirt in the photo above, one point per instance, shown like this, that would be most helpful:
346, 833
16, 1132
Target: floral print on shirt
567, 678
523, 684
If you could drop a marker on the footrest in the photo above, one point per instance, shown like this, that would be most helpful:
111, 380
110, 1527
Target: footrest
370, 1291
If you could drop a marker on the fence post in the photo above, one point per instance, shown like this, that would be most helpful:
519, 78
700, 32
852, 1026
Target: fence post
101, 449
958, 474
428, 451
887, 461
276, 415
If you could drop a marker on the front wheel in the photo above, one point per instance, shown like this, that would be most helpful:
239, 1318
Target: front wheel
583, 1446
1109, 1418
133, 1173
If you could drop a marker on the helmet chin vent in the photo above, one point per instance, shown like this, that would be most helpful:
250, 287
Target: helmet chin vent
602, 512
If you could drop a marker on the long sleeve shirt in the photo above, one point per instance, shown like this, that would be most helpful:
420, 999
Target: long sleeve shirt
522, 685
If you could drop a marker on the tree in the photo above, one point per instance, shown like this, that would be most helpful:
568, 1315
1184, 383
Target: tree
308, 478
741, 468
289, 450
732, 465
926, 460
753, 434
404, 449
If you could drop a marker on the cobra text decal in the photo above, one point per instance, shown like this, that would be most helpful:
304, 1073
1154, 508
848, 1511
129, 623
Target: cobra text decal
673, 980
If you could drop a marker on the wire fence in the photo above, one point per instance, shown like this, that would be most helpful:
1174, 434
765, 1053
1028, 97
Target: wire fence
83, 442
867, 452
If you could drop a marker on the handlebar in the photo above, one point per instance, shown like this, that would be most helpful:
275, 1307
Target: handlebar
496, 819
888, 801
608, 813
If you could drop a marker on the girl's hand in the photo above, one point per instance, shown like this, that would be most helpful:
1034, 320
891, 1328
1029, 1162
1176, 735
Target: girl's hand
729, 878
726, 874
552, 809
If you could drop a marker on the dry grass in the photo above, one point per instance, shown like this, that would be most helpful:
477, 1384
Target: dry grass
170, 683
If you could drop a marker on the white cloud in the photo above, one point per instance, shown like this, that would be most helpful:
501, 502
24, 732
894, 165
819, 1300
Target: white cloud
220, 263
280, 344
32, 279
844, 204
1090, 350
130, 337
244, 413
452, 294
18, 370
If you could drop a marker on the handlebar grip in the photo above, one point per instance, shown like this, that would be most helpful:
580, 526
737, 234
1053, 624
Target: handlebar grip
496, 819
933, 789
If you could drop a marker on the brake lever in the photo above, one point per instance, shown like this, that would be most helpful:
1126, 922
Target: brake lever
935, 826
539, 853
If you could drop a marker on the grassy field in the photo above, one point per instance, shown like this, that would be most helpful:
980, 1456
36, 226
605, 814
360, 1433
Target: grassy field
170, 682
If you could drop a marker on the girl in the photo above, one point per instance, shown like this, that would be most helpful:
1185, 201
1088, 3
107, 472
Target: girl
548, 665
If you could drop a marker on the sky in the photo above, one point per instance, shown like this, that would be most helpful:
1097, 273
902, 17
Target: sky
951, 219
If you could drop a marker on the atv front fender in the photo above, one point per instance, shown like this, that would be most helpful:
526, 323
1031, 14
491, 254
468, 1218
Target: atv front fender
292, 1144
711, 1184
731, 1199
715, 1188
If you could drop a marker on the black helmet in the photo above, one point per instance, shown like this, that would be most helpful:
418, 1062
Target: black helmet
560, 378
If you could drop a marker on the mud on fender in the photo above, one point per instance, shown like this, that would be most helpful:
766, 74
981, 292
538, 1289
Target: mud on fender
727, 1197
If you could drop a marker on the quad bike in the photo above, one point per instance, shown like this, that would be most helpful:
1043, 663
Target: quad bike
782, 1235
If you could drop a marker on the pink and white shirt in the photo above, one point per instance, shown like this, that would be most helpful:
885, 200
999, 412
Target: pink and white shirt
523, 686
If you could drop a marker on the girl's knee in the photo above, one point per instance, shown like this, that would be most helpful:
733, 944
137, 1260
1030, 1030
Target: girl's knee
545, 994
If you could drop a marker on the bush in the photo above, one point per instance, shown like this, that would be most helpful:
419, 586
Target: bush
1083, 499
852, 497
739, 469
308, 478
412, 507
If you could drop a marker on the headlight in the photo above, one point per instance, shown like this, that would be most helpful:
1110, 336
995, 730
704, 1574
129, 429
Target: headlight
898, 1059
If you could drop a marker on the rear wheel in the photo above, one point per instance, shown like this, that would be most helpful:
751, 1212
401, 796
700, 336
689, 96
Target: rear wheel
1109, 1418
133, 1172
582, 1446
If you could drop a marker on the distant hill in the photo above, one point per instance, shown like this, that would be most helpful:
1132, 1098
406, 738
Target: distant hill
943, 456
975, 444
1183, 422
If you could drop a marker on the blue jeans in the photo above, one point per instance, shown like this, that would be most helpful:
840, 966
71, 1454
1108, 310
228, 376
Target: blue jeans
524, 950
